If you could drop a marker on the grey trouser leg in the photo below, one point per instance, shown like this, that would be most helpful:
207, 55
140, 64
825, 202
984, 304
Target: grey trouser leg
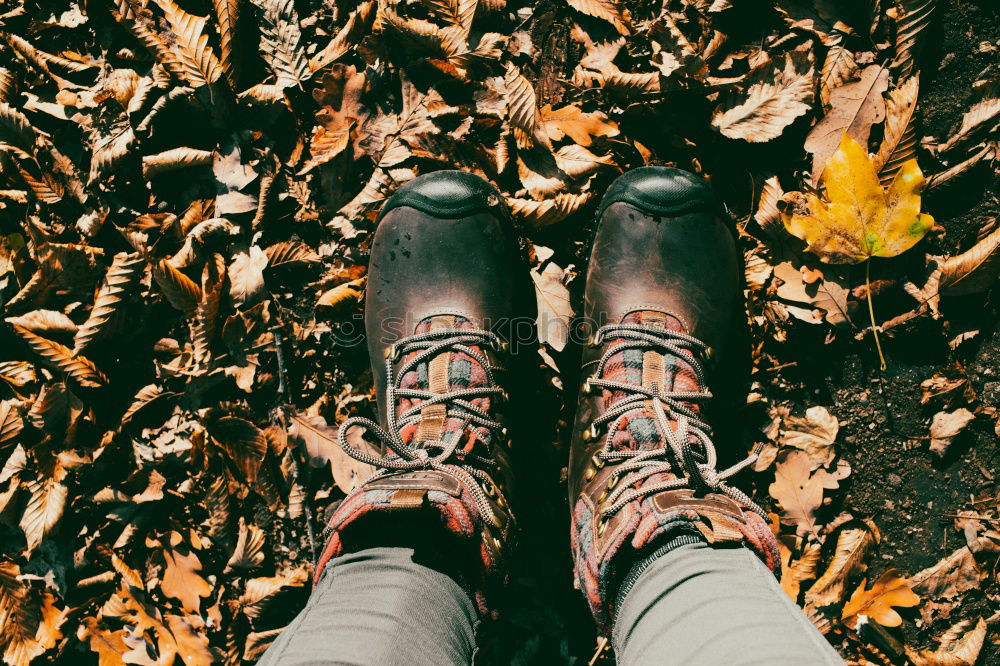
702, 606
378, 607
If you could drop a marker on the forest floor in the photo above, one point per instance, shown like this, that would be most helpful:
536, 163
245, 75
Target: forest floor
187, 193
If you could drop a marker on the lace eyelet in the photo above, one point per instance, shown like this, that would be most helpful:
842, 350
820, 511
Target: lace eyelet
602, 496
589, 474
595, 339
709, 354
496, 521
591, 434
587, 388
489, 490
602, 525
598, 462
612, 482
501, 346
392, 352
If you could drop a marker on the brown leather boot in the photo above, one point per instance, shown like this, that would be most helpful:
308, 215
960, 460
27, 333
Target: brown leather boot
661, 295
444, 276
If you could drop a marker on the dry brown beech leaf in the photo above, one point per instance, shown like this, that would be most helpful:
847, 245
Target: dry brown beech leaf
180, 290
981, 115
243, 441
899, 136
802, 569
173, 159
201, 66
122, 276
290, 252
343, 295
555, 311
45, 321
959, 646
855, 107
605, 10
522, 111
951, 576
848, 561
768, 216
46, 502
543, 213
775, 95
62, 358
279, 44
356, 27
227, 13
839, 67
11, 422
975, 270
912, 18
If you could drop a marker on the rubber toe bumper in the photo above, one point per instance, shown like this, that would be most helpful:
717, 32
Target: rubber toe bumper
661, 190
447, 194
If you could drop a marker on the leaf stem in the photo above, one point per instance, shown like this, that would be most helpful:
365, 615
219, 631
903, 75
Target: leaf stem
871, 312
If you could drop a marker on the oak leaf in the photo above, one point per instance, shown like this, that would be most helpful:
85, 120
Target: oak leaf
572, 122
321, 446
813, 433
181, 580
861, 219
799, 493
878, 602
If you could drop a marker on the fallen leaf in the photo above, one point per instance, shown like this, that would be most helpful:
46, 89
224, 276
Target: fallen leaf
861, 220
954, 574
959, 646
848, 561
878, 602
946, 426
181, 580
975, 270
554, 308
322, 448
775, 96
813, 433
855, 108
899, 137
579, 126
798, 493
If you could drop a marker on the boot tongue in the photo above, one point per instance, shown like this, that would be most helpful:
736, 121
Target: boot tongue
447, 371
670, 373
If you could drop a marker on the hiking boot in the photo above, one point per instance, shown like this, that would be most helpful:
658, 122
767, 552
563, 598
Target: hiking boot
662, 293
444, 268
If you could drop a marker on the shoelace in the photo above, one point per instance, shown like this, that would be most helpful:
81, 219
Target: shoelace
697, 460
433, 454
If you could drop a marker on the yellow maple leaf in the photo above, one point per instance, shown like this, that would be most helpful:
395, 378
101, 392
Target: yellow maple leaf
877, 603
860, 218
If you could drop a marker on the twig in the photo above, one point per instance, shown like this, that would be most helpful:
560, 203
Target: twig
602, 644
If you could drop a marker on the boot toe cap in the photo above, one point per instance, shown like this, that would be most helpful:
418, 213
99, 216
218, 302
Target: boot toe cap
447, 194
661, 190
